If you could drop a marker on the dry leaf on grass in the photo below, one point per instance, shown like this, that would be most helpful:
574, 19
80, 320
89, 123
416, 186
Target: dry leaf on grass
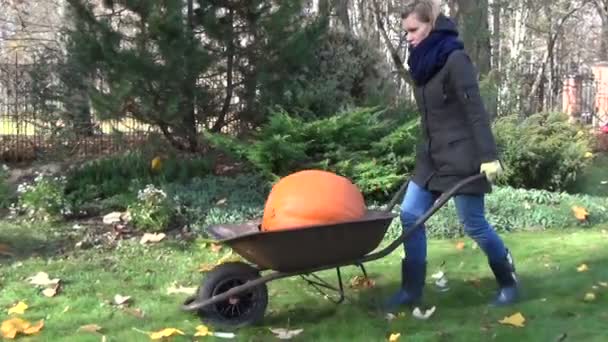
516, 320
42, 279
92, 328
394, 337
222, 201
120, 300
441, 281
589, 297
174, 289
361, 282
6, 250
51, 291
18, 309
284, 334
167, 332
12, 327
205, 267
580, 213
417, 313
460, 245
583, 268
134, 312
203, 330
215, 248
603, 284
148, 237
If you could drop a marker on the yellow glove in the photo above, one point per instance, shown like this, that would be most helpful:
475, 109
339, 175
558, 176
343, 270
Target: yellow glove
491, 169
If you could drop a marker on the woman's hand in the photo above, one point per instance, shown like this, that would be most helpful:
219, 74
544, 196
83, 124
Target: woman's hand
491, 169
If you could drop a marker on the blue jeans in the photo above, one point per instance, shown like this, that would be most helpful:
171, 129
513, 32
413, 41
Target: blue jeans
470, 210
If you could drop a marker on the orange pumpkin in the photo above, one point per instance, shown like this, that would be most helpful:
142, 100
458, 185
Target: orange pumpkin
311, 197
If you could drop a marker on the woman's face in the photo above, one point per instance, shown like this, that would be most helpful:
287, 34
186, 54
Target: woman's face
416, 30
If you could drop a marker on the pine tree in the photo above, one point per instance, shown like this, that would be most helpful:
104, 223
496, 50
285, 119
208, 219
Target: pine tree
182, 65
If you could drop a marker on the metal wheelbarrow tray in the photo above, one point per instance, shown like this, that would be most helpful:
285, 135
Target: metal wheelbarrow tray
235, 294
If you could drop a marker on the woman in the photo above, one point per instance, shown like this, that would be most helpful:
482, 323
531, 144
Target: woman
457, 142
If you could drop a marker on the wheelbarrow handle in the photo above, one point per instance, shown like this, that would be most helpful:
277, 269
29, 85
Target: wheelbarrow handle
422, 219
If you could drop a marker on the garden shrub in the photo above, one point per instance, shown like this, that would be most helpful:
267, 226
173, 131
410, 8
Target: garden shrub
43, 198
117, 179
152, 211
363, 144
543, 151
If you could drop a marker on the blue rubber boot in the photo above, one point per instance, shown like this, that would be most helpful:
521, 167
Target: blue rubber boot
508, 292
413, 275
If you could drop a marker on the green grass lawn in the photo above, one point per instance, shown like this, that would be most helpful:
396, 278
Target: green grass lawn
553, 302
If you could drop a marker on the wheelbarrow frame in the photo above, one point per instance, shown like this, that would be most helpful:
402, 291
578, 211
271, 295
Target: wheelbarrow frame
194, 304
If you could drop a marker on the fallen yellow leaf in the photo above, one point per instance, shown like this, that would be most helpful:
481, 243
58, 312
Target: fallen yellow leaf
203, 330
603, 284
230, 257
516, 320
394, 337
167, 332
583, 268
18, 308
10, 328
460, 245
580, 213
588, 154
156, 164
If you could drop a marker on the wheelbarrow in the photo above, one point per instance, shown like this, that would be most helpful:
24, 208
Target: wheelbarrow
235, 294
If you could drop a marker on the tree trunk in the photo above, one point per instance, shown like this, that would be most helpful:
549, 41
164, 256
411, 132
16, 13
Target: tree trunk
189, 121
342, 12
472, 18
602, 10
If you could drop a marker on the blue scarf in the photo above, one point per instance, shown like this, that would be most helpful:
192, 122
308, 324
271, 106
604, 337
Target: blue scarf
426, 59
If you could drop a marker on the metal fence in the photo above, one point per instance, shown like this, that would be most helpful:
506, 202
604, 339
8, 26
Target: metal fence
29, 132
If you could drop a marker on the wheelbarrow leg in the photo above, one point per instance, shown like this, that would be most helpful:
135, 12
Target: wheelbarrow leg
319, 283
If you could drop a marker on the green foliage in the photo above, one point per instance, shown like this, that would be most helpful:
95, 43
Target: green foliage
124, 175
374, 152
542, 151
43, 199
152, 211
343, 71
153, 73
509, 210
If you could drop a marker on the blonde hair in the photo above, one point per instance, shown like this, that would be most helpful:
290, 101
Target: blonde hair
427, 11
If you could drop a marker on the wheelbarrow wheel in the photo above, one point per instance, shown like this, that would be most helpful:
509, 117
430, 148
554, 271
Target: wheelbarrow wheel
245, 308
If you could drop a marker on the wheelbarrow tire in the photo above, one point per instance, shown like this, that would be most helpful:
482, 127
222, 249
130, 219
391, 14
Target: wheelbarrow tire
245, 308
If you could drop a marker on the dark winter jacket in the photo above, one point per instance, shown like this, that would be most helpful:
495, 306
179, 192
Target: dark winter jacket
456, 133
